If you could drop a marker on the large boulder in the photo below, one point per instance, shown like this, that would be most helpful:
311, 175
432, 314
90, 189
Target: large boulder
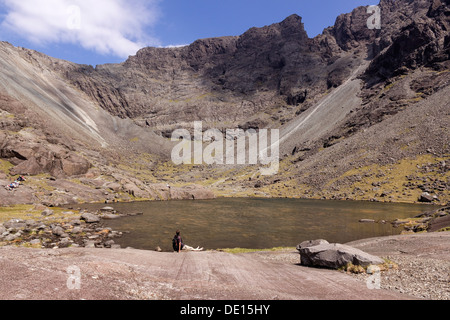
426, 197
28, 167
15, 224
21, 195
58, 231
192, 192
133, 190
90, 217
334, 255
74, 165
33, 159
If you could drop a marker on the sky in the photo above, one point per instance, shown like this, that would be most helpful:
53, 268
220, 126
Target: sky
108, 31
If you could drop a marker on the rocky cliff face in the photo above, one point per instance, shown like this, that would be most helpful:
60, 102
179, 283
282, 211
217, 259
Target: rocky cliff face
222, 79
227, 79
422, 40
323, 93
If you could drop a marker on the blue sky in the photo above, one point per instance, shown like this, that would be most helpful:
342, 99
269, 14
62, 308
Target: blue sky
107, 31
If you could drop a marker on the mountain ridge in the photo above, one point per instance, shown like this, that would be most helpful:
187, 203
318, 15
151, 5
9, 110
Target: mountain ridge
93, 127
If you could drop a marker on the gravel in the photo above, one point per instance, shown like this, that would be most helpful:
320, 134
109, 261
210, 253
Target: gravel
419, 277
422, 264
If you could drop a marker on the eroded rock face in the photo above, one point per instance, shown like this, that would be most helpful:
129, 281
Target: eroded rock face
33, 150
419, 41
228, 78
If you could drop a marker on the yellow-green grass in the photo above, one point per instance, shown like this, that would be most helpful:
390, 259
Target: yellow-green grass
40, 183
5, 166
394, 177
29, 212
352, 268
244, 250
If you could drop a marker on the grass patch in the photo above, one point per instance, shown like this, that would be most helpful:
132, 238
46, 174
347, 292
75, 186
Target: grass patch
356, 269
441, 72
32, 246
244, 250
27, 212
17, 212
389, 86
353, 268
40, 183
416, 99
390, 178
5, 166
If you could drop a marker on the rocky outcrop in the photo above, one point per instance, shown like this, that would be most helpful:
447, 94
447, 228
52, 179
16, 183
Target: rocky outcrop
21, 195
350, 30
32, 151
58, 163
273, 73
211, 79
421, 41
262, 64
320, 253
75, 231
193, 192
430, 221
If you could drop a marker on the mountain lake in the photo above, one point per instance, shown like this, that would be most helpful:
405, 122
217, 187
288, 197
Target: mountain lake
253, 223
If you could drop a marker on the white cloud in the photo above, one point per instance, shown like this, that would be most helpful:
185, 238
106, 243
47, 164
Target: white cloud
174, 46
110, 27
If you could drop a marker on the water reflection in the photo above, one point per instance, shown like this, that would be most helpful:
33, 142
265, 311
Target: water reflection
254, 223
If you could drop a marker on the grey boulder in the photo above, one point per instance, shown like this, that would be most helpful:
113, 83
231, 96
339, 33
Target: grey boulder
47, 212
334, 255
426, 197
58, 231
90, 218
15, 224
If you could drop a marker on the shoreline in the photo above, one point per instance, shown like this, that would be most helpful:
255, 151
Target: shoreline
268, 197
40, 226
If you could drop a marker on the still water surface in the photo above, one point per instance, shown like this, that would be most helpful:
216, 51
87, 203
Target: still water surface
254, 223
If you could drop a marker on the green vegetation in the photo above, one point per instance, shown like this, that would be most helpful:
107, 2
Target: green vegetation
5, 166
352, 268
356, 269
391, 179
17, 212
26, 212
40, 183
243, 250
